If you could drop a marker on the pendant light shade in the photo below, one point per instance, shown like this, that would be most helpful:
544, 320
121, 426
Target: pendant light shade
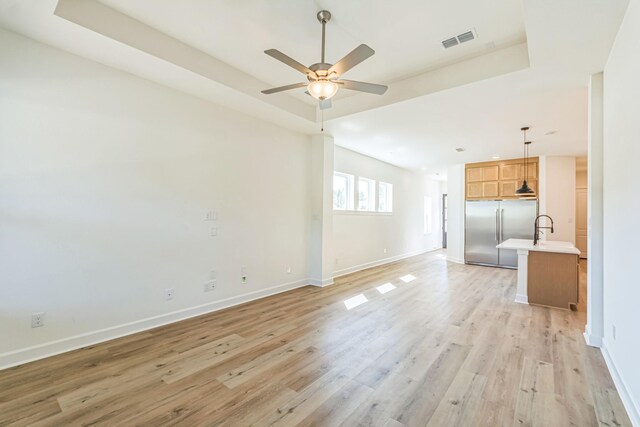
525, 189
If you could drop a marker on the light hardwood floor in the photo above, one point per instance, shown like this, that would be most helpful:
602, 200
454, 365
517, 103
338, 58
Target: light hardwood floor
449, 348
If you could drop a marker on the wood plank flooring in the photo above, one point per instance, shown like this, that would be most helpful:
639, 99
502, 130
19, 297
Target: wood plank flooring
449, 348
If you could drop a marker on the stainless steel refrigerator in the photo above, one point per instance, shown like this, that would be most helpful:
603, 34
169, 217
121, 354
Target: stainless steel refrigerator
490, 222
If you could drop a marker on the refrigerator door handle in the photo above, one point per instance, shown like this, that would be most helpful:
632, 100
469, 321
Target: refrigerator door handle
497, 225
501, 234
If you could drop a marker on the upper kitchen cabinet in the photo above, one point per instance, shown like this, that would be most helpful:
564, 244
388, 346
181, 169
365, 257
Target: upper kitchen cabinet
500, 179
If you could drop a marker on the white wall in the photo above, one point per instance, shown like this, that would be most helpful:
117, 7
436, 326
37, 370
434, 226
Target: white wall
361, 238
558, 196
594, 329
621, 211
455, 191
105, 180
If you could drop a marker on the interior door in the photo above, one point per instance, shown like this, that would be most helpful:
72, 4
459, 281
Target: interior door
481, 232
581, 221
517, 218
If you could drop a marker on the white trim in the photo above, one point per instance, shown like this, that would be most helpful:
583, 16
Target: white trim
52, 348
321, 283
522, 299
592, 340
632, 410
352, 212
379, 262
456, 260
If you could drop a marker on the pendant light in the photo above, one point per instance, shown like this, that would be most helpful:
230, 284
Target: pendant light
525, 189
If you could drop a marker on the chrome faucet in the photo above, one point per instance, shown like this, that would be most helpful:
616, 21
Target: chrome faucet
537, 228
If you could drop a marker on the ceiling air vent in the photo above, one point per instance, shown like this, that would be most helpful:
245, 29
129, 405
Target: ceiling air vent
459, 39
465, 37
450, 42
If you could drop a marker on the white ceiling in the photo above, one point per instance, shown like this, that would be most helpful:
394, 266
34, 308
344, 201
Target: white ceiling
484, 119
405, 34
529, 65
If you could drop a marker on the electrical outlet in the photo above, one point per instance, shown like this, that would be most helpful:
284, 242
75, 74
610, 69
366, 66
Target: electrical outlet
209, 286
288, 269
243, 273
613, 331
168, 294
214, 231
37, 320
384, 250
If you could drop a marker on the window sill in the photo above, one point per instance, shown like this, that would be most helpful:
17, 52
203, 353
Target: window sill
345, 212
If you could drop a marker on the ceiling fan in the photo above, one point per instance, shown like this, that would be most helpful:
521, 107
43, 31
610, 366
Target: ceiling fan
324, 78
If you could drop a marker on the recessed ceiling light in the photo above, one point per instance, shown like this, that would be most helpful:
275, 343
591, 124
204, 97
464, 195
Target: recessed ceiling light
551, 132
495, 157
459, 150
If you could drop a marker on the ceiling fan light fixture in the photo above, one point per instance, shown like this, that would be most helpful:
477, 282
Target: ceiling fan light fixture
322, 89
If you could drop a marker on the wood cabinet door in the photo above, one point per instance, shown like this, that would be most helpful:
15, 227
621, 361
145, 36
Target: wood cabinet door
490, 189
474, 190
490, 173
508, 188
475, 175
509, 172
532, 171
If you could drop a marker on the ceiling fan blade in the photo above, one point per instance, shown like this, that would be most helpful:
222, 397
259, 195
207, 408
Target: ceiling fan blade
352, 59
363, 87
283, 88
274, 53
325, 105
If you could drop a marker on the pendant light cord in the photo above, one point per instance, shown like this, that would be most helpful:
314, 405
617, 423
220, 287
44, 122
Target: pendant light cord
526, 156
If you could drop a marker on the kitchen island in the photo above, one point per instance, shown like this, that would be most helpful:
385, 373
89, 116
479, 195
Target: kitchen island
547, 272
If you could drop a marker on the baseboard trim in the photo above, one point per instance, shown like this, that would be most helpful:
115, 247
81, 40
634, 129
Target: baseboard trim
52, 348
456, 260
632, 410
522, 299
321, 283
379, 262
592, 340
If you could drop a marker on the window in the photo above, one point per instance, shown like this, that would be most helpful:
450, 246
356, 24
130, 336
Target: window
342, 191
366, 194
428, 212
385, 197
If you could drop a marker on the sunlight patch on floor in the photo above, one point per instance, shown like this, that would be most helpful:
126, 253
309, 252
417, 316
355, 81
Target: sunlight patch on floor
408, 278
383, 289
355, 301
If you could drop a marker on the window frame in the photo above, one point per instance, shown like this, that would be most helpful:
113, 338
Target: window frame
350, 196
371, 201
388, 197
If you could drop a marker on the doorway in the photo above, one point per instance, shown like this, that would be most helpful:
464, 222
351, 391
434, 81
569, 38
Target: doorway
582, 196
444, 220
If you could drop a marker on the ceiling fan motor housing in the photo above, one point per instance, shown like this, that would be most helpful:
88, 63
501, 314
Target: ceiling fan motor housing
320, 69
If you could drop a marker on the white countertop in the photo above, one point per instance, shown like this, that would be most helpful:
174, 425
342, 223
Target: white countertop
542, 246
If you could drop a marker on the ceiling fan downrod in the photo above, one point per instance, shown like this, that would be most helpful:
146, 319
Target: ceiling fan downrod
323, 16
